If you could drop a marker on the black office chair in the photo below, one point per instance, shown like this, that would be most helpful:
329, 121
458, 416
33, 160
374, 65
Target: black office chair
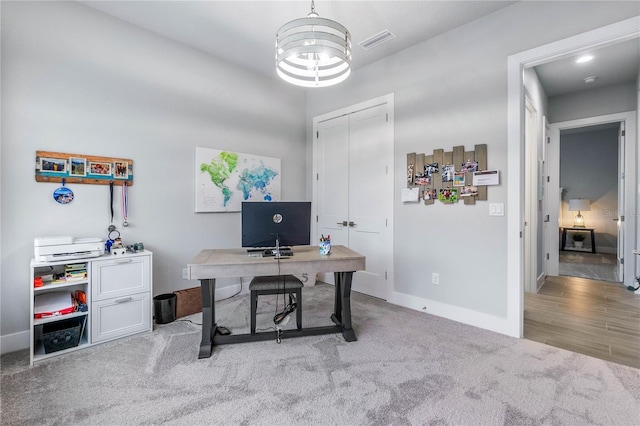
277, 284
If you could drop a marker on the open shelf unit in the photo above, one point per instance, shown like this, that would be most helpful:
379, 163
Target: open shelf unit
118, 301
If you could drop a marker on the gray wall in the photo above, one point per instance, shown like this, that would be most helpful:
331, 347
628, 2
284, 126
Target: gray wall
589, 169
78, 81
589, 103
75, 80
452, 90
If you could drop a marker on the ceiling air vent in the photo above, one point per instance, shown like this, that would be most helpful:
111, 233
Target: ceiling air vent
377, 39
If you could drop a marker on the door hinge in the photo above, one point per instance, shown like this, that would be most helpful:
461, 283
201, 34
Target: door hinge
385, 275
548, 139
520, 234
386, 223
622, 218
548, 179
624, 133
317, 218
388, 119
622, 260
317, 176
547, 256
317, 134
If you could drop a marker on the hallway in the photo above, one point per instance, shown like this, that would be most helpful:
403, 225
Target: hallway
596, 318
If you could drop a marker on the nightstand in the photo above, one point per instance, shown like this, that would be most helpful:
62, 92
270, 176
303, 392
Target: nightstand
564, 247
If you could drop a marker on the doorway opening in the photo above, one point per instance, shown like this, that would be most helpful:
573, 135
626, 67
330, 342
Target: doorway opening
608, 35
592, 161
590, 171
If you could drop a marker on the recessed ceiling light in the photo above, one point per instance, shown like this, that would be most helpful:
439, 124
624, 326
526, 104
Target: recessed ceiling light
583, 59
590, 79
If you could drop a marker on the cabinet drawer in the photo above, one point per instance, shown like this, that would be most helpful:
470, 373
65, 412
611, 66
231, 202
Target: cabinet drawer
120, 277
120, 317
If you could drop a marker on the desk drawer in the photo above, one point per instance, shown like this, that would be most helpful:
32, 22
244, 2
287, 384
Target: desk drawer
120, 317
120, 277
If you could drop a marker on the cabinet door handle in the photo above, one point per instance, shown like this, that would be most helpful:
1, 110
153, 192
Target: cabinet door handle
343, 223
123, 300
123, 261
352, 224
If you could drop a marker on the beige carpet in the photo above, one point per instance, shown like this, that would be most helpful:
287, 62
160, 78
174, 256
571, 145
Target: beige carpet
407, 368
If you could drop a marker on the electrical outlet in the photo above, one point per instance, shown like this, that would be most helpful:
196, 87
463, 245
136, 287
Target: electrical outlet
435, 279
185, 274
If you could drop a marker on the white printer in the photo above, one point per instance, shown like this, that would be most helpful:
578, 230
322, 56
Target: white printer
50, 249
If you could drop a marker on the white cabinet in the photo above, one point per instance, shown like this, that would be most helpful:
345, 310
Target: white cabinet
121, 297
118, 302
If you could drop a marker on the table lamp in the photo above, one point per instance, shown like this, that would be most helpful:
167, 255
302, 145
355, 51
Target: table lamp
578, 205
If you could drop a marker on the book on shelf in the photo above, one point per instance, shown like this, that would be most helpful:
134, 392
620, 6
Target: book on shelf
75, 272
75, 277
75, 267
58, 279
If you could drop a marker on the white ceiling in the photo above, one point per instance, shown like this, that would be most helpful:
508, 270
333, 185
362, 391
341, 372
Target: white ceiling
243, 32
614, 64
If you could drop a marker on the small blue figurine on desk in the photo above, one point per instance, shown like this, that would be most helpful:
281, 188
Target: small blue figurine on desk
325, 245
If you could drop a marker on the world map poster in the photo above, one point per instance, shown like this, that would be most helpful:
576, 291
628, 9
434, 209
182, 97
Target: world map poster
225, 179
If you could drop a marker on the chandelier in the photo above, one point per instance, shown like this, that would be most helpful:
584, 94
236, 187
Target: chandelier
313, 51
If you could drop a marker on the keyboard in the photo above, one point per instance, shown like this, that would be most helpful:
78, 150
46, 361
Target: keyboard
272, 252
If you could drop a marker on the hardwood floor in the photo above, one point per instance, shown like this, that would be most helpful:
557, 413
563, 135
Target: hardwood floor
596, 318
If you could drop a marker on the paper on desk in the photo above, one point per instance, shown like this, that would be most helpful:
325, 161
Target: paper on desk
410, 195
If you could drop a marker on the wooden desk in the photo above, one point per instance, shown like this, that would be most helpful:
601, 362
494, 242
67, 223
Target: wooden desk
564, 238
231, 263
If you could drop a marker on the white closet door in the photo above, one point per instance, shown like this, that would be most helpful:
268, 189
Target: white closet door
369, 197
354, 157
333, 182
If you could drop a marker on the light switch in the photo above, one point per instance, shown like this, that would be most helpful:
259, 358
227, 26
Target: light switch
496, 209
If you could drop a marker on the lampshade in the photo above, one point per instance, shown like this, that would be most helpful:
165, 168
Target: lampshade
579, 204
313, 51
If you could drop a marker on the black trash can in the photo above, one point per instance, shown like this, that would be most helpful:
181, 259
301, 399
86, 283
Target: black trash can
164, 308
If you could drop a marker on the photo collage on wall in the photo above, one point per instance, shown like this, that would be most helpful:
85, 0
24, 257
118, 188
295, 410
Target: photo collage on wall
453, 176
88, 169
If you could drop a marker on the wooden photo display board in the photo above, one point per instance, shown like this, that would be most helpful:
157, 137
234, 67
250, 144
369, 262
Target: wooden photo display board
79, 168
444, 164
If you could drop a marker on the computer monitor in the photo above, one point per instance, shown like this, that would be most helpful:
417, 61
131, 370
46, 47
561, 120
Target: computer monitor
263, 223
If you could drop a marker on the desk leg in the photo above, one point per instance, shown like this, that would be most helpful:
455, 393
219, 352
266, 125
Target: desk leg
208, 289
342, 304
337, 299
564, 239
593, 241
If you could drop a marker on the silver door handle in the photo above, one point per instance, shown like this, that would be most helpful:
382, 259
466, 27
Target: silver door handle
343, 223
352, 224
123, 300
616, 220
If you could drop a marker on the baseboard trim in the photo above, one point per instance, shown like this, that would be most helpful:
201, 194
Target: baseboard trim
14, 342
454, 313
540, 281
